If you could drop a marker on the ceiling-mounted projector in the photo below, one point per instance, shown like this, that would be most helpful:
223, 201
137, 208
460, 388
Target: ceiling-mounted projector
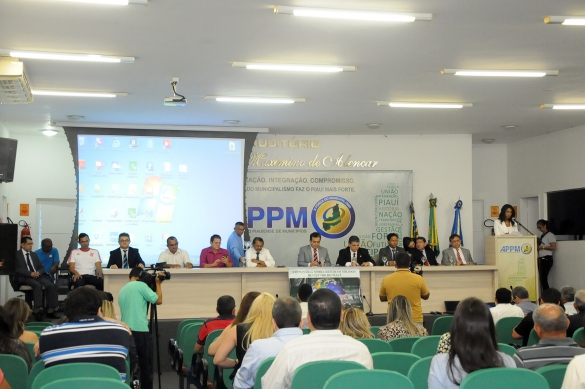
14, 87
177, 100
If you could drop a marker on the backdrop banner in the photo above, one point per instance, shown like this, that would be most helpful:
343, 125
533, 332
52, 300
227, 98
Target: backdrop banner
285, 207
343, 281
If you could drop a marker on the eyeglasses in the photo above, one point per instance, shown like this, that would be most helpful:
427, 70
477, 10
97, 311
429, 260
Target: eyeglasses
124, 240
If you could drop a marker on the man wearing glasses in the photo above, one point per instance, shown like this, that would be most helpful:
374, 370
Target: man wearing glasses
174, 256
125, 257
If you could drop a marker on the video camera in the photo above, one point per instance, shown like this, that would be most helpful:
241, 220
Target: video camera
148, 275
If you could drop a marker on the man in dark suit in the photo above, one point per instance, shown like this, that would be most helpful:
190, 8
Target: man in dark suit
391, 251
353, 255
32, 273
125, 257
422, 254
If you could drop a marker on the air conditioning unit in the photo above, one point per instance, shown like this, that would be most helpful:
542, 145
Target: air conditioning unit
14, 87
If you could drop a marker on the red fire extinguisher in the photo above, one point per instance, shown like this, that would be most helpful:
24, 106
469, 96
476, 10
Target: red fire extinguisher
25, 229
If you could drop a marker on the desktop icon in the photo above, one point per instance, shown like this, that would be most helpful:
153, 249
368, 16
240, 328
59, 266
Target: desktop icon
115, 143
98, 141
133, 143
133, 166
97, 188
166, 166
113, 237
115, 166
166, 143
81, 163
149, 144
232, 146
132, 189
182, 168
115, 188
132, 213
81, 141
149, 166
98, 165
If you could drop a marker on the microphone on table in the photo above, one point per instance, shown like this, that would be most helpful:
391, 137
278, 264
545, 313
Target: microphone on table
369, 305
277, 295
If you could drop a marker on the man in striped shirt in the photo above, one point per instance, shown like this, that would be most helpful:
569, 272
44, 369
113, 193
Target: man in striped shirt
86, 337
554, 348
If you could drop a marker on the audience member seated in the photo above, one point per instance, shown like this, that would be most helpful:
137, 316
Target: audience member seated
355, 324
400, 324
522, 299
19, 311
258, 256
576, 320
305, 291
214, 255
353, 255
86, 337
243, 311
226, 307
173, 256
444, 343
554, 348
84, 263
286, 314
575, 374
258, 325
503, 307
522, 330
8, 343
473, 347
568, 298
325, 342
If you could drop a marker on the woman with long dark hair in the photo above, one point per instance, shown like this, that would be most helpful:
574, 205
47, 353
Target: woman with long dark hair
505, 223
9, 344
547, 244
473, 346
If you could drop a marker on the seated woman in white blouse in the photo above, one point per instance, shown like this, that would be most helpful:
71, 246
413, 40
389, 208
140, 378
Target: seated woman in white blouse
258, 256
505, 223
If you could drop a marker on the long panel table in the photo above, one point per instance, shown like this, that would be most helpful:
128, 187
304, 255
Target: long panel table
194, 292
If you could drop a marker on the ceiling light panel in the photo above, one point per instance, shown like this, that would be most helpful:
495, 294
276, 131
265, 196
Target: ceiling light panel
565, 20
563, 106
500, 73
250, 99
109, 2
294, 67
406, 104
345, 14
62, 93
65, 56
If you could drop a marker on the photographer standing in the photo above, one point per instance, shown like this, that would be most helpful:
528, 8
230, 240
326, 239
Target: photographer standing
133, 300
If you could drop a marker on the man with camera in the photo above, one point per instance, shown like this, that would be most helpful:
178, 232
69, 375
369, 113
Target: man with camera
133, 300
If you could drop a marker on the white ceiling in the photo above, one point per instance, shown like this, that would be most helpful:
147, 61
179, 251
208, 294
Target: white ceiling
197, 40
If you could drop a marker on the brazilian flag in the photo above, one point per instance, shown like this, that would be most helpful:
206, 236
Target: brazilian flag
433, 231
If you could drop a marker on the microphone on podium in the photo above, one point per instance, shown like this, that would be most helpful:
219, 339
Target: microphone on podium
369, 305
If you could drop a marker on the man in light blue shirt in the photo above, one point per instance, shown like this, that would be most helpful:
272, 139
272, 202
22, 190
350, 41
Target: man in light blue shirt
49, 257
286, 317
235, 244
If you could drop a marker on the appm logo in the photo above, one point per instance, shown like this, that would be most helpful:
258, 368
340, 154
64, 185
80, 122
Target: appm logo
333, 217
524, 249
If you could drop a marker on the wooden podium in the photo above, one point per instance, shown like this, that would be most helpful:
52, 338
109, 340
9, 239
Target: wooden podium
515, 256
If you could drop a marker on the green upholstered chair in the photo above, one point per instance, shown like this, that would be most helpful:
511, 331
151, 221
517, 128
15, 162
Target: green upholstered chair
554, 375
442, 325
504, 328
86, 383
376, 345
79, 370
419, 373
313, 375
379, 379
262, 369
403, 345
398, 362
15, 370
426, 346
504, 377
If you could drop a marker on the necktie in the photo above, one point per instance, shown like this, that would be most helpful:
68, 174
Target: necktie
425, 257
125, 264
29, 263
315, 258
458, 256
393, 255
258, 256
354, 259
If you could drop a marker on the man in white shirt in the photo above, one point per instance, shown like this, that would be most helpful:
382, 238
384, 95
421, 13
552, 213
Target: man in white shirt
456, 255
286, 318
503, 307
174, 256
324, 343
575, 374
258, 256
84, 263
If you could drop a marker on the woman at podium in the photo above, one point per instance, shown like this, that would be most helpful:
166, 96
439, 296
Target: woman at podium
505, 223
